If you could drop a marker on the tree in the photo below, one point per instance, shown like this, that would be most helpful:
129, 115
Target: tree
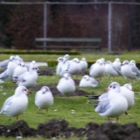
25, 25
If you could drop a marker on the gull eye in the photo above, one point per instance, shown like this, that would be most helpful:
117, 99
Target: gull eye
24, 89
43, 92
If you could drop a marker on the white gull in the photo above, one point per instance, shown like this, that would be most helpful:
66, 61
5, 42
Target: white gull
88, 81
127, 71
114, 105
44, 98
117, 64
128, 93
29, 78
8, 73
97, 69
17, 103
20, 69
110, 70
66, 85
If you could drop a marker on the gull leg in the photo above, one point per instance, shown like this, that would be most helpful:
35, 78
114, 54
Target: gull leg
130, 116
117, 119
46, 110
17, 118
39, 111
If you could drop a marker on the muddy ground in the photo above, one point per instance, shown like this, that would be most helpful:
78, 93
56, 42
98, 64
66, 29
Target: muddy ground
61, 128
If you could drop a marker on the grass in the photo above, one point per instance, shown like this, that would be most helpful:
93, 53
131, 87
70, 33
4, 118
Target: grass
78, 111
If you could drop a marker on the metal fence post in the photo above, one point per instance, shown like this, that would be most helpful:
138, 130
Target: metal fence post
109, 26
45, 26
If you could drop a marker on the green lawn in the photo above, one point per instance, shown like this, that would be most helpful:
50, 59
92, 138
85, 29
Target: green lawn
78, 111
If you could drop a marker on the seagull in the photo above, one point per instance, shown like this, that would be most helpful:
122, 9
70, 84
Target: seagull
8, 73
66, 57
83, 64
97, 69
117, 64
66, 85
126, 90
74, 66
63, 65
17, 103
20, 69
44, 98
29, 78
110, 70
31, 64
135, 69
59, 65
129, 72
114, 105
62, 68
128, 93
88, 81
4, 63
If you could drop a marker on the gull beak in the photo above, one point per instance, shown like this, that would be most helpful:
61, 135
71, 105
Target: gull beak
106, 89
29, 91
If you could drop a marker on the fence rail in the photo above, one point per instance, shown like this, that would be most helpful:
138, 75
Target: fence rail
97, 42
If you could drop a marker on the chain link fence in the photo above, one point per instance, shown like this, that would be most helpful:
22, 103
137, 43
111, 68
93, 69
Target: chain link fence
115, 23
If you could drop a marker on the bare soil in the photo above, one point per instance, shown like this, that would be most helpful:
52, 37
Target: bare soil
60, 128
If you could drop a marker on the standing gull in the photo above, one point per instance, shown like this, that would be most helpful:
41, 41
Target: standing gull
114, 104
44, 98
16, 104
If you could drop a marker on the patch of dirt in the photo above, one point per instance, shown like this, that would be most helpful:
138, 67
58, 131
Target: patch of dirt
46, 71
60, 128
50, 72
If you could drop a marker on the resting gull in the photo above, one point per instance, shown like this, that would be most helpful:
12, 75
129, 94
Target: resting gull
66, 85
88, 81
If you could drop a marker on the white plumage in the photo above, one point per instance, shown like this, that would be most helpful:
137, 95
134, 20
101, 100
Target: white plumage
8, 73
16, 104
110, 70
29, 78
88, 81
66, 85
44, 98
97, 69
114, 104
74, 66
128, 93
20, 69
127, 71
83, 64
117, 64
